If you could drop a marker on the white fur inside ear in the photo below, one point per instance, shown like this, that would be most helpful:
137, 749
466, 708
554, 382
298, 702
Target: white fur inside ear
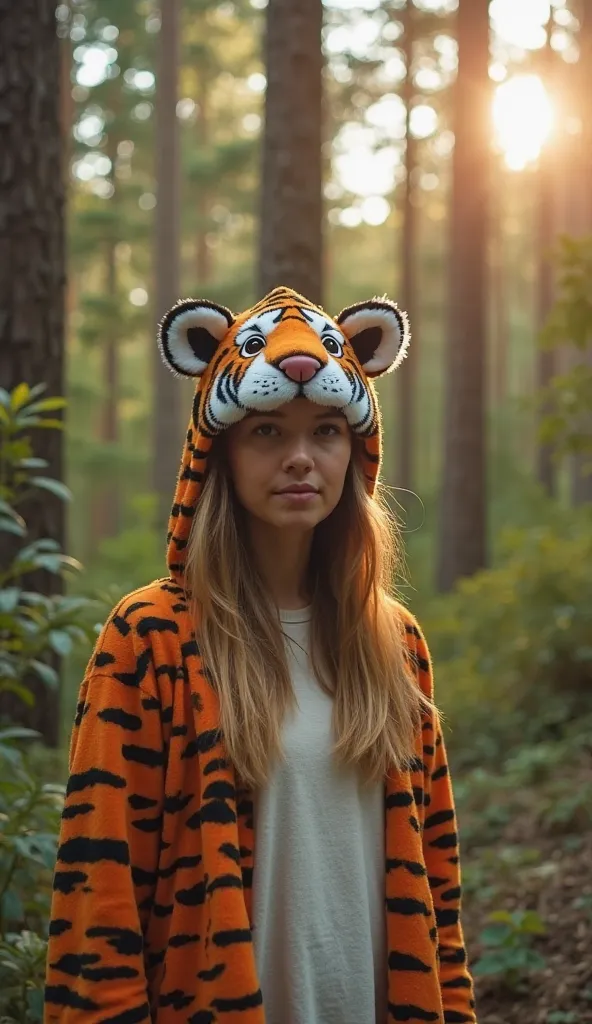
394, 341
189, 336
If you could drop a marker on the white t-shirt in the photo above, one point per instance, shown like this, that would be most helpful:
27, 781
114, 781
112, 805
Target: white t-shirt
318, 884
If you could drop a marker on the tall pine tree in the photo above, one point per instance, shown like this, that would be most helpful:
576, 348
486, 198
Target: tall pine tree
32, 261
291, 240
462, 527
168, 425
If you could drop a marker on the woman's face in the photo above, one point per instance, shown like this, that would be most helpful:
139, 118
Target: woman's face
289, 466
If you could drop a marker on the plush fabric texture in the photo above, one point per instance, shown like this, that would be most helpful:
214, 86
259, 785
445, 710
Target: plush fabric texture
151, 913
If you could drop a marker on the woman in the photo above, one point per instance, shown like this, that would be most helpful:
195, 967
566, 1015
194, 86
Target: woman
259, 822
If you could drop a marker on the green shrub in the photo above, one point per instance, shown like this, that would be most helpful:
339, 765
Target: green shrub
29, 821
568, 398
507, 942
32, 627
512, 646
22, 974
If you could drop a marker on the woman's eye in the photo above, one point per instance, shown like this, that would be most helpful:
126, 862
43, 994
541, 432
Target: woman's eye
252, 346
264, 430
329, 428
332, 346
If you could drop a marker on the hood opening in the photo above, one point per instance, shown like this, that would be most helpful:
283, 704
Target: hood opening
231, 357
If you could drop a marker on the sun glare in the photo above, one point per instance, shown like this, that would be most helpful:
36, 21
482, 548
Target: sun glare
523, 119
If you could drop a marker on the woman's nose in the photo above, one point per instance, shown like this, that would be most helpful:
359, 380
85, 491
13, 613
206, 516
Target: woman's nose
299, 454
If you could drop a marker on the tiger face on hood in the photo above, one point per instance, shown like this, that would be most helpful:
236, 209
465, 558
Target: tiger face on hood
282, 348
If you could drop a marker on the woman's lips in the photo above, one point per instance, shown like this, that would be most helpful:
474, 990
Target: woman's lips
298, 497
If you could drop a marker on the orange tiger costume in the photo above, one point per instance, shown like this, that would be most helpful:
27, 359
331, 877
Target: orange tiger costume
151, 915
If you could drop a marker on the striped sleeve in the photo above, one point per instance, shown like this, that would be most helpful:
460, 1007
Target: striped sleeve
107, 857
442, 855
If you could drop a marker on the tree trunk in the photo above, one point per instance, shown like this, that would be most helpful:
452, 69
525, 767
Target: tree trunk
500, 326
406, 382
168, 423
546, 231
581, 477
291, 234
32, 262
203, 253
105, 507
462, 537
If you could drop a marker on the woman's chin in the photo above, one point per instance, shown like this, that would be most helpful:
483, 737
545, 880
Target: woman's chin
302, 517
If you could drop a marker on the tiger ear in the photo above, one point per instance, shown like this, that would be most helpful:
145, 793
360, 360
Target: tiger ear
378, 332
190, 333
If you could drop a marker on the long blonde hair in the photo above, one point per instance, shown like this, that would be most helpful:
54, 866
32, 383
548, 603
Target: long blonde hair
357, 638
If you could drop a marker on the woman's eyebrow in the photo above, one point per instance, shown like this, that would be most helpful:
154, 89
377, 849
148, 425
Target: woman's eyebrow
327, 414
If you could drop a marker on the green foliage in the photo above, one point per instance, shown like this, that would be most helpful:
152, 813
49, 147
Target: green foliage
512, 646
29, 819
568, 399
32, 625
30, 810
22, 973
571, 317
507, 943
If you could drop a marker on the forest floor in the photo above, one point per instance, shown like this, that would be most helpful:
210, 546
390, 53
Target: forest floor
547, 869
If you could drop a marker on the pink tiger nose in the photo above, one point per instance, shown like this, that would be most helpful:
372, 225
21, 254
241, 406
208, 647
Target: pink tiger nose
300, 368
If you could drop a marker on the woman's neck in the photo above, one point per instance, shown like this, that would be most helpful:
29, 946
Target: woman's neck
282, 558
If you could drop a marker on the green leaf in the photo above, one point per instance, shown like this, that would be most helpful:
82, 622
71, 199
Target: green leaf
37, 390
18, 732
495, 935
532, 923
19, 690
44, 544
46, 673
32, 463
71, 604
20, 396
53, 789
491, 964
9, 598
10, 526
503, 916
8, 510
4, 398
49, 424
48, 405
12, 755
12, 908
60, 641
35, 1004
54, 486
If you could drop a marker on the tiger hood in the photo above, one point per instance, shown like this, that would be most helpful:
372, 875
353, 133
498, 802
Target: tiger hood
281, 348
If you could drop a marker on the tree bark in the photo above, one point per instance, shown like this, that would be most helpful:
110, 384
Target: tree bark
406, 382
32, 262
291, 233
105, 513
203, 262
500, 325
546, 231
462, 528
581, 477
168, 423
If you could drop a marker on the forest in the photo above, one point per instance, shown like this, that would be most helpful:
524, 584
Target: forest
435, 151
